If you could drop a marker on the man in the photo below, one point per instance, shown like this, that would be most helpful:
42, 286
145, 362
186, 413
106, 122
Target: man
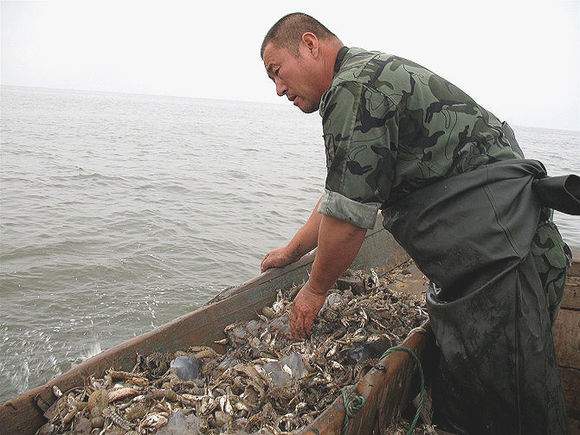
454, 190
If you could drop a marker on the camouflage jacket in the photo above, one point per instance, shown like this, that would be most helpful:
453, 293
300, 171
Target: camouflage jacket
391, 126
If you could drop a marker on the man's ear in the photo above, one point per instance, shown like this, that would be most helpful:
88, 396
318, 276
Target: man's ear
312, 43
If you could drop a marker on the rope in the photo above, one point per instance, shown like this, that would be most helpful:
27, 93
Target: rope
423, 392
352, 402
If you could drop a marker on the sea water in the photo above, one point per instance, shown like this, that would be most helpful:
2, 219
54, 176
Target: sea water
119, 213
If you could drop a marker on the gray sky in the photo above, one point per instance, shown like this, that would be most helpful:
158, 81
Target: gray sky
519, 59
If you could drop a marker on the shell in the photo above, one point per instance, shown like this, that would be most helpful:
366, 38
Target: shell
122, 393
258, 384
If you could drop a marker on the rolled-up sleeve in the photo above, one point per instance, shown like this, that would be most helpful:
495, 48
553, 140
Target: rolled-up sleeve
336, 205
359, 130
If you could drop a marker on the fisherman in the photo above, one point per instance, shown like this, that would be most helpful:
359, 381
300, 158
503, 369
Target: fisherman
456, 192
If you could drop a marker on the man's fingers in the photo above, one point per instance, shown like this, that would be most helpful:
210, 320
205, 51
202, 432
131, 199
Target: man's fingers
297, 333
293, 322
296, 321
301, 333
308, 328
303, 329
262, 265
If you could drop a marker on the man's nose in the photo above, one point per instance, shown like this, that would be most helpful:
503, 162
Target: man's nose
281, 88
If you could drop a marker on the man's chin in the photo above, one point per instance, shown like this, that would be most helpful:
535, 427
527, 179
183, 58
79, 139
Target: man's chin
307, 109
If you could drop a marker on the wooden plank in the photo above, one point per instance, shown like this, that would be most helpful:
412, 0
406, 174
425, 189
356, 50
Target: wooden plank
571, 385
386, 389
571, 298
567, 338
575, 269
380, 250
23, 415
567, 343
412, 283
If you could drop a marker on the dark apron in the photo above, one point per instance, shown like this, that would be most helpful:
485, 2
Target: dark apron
471, 236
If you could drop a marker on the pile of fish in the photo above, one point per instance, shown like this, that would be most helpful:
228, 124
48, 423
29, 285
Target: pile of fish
263, 383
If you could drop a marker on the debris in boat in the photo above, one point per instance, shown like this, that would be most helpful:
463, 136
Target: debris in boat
185, 368
263, 383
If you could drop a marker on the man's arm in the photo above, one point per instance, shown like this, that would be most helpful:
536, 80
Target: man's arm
338, 244
361, 143
304, 241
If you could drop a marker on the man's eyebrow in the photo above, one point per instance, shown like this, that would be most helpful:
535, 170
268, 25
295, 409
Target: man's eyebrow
270, 71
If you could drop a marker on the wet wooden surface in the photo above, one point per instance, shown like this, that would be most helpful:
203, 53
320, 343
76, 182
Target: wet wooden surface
387, 390
567, 343
567, 338
571, 299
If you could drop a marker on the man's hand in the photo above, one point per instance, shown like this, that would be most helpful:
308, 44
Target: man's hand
338, 244
304, 241
279, 257
305, 308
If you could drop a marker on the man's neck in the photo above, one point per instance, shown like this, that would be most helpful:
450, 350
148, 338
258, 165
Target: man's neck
330, 52
340, 58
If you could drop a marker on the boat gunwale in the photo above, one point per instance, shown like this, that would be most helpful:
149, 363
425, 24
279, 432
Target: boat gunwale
25, 413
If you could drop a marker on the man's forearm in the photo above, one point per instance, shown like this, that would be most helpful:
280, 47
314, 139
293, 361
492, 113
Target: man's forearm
338, 244
306, 239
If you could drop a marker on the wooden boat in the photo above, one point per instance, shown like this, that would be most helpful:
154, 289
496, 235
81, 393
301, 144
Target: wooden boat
387, 391
567, 342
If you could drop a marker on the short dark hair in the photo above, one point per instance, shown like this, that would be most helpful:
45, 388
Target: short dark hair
288, 30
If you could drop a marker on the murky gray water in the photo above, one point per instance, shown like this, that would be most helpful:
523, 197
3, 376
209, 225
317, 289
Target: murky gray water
119, 213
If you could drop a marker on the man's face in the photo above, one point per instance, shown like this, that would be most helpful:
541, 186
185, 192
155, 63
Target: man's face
297, 77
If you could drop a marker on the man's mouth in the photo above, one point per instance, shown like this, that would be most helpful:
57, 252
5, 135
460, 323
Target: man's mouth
294, 99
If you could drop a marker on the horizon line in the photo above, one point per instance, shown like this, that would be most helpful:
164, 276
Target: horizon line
220, 99
141, 94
